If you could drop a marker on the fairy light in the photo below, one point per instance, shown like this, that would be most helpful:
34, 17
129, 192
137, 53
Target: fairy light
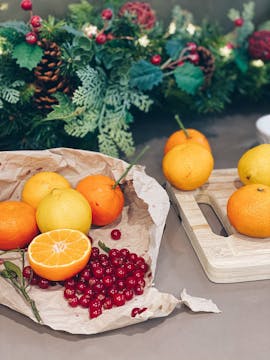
90, 30
191, 29
257, 63
3, 6
172, 28
2, 44
225, 51
144, 41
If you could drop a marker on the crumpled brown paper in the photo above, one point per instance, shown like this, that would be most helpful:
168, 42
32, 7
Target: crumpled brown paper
142, 223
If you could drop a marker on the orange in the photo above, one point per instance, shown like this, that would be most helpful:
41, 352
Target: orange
187, 166
64, 209
179, 137
40, 185
248, 210
105, 201
59, 254
17, 224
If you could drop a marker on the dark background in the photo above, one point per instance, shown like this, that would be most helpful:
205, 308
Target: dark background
211, 9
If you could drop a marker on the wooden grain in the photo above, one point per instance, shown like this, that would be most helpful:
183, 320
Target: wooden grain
234, 258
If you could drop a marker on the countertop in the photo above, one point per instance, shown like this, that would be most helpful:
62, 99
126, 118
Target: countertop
240, 331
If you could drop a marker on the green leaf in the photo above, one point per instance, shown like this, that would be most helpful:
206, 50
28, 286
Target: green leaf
65, 110
27, 56
5, 274
248, 11
145, 76
233, 14
189, 77
241, 60
265, 25
12, 268
173, 48
19, 26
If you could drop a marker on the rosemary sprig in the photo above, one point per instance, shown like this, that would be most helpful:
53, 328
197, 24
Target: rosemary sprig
13, 274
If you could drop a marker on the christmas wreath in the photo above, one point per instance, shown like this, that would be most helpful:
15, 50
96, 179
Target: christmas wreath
76, 82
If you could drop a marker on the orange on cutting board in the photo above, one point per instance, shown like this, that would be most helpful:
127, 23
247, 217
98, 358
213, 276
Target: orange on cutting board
185, 136
59, 254
187, 166
106, 201
248, 210
17, 224
40, 185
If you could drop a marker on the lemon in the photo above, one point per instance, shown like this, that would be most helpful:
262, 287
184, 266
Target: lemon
187, 166
40, 185
64, 209
254, 165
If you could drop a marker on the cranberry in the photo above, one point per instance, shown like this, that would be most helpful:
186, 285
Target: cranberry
93, 313
115, 234
101, 38
92, 281
95, 304
129, 266
119, 299
132, 257
120, 284
124, 252
98, 287
116, 261
180, 63
84, 301
107, 303
192, 47
131, 282
128, 293
135, 311
31, 38
138, 274
112, 291
107, 281
143, 266
120, 272
194, 58
26, 5
27, 272
239, 22
141, 282
69, 293
109, 270
81, 287
89, 292
73, 301
94, 253
100, 297
104, 263
113, 253
110, 37
138, 290
35, 21
34, 280
85, 274
43, 283
98, 272
94, 264
106, 14
70, 283
156, 59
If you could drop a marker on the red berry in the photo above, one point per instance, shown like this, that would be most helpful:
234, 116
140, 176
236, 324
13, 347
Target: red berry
135, 311
31, 38
112, 290
132, 257
141, 282
73, 301
26, 5
107, 303
120, 272
107, 281
98, 287
84, 301
194, 58
43, 283
109, 270
110, 37
94, 313
192, 47
94, 253
101, 297
129, 266
119, 299
101, 38
131, 282
34, 280
92, 281
81, 287
239, 22
115, 234
120, 284
89, 292
156, 59
113, 253
106, 14
69, 293
128, 293
27, 272
35, 21
70, 283
124, 252
138, 290
180, 63
85, 274
98, 272
95, 304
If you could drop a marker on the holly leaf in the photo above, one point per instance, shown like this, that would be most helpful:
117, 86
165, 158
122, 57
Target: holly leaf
265, 25
189, 77
173, 48
145, 76
241, 60
26, 55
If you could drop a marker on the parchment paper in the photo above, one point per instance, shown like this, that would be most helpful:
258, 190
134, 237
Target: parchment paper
141, 223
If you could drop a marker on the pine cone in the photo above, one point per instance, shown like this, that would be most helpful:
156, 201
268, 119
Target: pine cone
206, 63
145, 15
48, 78
259, 45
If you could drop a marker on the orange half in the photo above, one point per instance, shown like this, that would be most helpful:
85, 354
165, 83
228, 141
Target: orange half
59, 254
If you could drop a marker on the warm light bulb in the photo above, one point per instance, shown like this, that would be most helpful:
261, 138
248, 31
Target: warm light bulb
191, 29
257, 63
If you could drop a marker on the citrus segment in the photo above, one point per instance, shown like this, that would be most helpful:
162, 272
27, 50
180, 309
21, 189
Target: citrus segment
40, 185
59, 254
17, 224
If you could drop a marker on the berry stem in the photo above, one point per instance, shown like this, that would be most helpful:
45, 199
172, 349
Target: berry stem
130, 166
103, 246
181, 125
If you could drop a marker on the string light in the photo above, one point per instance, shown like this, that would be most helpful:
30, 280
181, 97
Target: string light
257, 63
225, 51
191, 29
3, 6
172, 28
144, 41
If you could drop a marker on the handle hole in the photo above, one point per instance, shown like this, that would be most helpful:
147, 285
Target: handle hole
212, 219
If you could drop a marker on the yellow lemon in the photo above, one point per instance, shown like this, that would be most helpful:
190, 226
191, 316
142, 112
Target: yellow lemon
254, 165
64, 209
40, 185
187, 166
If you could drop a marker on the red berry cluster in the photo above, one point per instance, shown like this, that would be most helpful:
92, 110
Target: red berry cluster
34, 279
35, 23
107, 281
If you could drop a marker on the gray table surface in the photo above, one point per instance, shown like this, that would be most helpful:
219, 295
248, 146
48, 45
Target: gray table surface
241, 331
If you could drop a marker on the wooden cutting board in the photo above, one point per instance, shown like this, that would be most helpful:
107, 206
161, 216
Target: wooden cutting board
234, 258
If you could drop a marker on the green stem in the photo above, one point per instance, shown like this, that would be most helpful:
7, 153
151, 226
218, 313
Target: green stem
130, 166
103, 246
163, 66
181, 125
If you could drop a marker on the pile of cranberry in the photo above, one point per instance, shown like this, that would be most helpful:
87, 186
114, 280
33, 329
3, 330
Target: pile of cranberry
107, 280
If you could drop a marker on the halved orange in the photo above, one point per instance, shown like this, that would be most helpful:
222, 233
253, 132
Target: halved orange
59, 254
